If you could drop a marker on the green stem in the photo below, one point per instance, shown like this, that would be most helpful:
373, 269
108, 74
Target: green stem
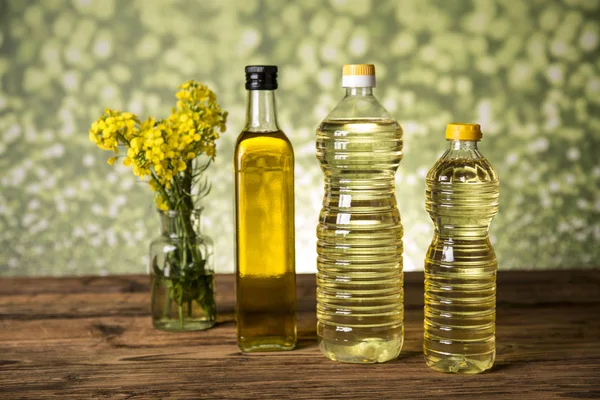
168, 299
162, 191
180, 309
188, 270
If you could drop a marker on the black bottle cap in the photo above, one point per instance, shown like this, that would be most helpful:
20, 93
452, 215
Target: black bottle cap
261, 77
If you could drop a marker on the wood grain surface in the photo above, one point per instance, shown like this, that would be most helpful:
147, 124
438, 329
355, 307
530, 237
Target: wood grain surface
92, 338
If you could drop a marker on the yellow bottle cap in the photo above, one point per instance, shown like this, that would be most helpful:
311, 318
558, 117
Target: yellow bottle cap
358, 69
358, 75
457, 131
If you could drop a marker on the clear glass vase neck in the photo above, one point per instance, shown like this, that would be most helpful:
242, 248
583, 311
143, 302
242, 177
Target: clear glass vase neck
261, 112
178, 224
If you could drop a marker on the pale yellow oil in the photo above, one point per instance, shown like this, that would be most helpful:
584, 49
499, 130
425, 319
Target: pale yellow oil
265, 273
359, 281
460, 267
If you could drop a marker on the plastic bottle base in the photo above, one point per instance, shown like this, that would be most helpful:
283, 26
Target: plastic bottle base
460, 364
367, 351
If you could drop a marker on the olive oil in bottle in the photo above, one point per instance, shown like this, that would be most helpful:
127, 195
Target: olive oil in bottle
264, 207
359, 281
460, 266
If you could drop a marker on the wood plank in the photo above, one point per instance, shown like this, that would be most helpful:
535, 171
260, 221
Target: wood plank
92, 338
567, 329
579, 286
308, 377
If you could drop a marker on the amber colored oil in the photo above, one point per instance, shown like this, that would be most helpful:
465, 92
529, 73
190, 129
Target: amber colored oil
265, 275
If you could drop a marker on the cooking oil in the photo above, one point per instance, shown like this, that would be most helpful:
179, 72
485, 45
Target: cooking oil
359, 280
460, 267
264, 197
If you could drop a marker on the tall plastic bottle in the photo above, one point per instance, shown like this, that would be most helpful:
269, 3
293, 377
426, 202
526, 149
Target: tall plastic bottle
460, 267
359, 280
264, 210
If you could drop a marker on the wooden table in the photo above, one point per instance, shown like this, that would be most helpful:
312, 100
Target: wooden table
93, 338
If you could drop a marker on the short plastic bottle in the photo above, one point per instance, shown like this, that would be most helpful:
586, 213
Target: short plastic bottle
460, 266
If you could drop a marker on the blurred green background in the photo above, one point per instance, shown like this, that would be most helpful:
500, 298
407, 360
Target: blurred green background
527, 70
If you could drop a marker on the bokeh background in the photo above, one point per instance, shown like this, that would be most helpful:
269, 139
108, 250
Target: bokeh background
527, 70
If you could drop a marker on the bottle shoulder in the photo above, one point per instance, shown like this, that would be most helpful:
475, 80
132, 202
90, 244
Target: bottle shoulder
361, 125
268, 148
263, 141
359, 107
471, 170
275, 138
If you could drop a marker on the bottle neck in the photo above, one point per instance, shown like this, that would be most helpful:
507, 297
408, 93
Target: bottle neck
464, 145
261, 114
359, 91
463, 149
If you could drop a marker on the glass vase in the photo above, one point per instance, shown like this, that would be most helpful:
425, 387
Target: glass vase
181, 267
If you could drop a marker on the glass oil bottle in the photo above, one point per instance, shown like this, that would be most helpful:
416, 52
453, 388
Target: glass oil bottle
264, 210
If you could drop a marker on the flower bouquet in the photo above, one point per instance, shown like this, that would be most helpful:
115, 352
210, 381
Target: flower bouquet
166, 154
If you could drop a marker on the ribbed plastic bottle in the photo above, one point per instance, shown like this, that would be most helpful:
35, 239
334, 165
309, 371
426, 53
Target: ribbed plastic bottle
460, 267
359, 280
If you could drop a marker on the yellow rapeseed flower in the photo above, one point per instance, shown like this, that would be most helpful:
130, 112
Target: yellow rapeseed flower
162, 149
